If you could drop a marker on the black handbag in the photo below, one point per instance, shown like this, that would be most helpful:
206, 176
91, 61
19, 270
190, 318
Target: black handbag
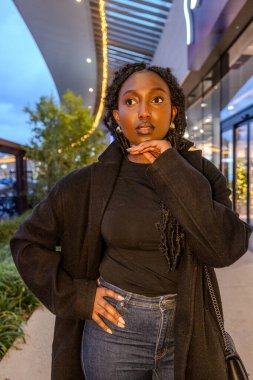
235, 366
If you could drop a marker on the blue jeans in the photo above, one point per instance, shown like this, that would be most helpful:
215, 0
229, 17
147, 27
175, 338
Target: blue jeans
143, 350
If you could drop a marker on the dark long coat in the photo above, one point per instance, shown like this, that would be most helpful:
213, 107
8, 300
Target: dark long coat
65, 279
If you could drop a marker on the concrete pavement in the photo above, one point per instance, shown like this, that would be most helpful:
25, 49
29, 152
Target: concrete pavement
31, 360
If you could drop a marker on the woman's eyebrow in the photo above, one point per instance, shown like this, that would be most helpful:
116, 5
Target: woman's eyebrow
151, 90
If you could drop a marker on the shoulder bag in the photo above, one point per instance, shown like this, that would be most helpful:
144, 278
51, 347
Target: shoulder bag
235, 366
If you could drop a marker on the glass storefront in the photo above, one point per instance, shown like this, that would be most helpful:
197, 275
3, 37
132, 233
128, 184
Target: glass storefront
237, 166
237, 84
241, 180
227, 158
236, 114
220, 120
251, 172
204, 124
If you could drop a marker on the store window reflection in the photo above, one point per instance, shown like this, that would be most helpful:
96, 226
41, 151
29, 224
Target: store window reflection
227, 158
204, 125
7, 185
251, 175
241, 183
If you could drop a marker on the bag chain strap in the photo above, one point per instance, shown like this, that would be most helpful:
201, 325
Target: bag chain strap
217, 311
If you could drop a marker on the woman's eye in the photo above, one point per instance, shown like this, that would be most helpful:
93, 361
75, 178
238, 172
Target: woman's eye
130, 101
157, 99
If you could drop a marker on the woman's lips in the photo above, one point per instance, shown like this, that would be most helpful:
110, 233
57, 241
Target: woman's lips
145, 129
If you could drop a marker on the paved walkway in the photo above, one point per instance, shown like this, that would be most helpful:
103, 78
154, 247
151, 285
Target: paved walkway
32, 360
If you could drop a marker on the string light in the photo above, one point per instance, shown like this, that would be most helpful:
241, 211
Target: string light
105, 74
7, 160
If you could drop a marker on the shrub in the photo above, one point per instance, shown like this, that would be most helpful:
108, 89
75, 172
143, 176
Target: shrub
9, 226
10, 329
5, 253
14, 295
16, 300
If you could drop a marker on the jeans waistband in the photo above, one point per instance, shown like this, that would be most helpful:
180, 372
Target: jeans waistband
138, 297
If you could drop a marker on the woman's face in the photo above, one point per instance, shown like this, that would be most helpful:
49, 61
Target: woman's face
144, 107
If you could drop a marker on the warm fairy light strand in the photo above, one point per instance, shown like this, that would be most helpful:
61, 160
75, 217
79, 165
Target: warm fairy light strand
105, 74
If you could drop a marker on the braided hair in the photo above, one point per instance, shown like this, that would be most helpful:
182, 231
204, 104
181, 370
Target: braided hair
172, 234
175, 136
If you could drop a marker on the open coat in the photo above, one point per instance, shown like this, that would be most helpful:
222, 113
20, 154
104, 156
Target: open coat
58, 249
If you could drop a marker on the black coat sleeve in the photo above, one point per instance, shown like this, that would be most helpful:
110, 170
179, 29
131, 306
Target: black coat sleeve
200, 202
39, 263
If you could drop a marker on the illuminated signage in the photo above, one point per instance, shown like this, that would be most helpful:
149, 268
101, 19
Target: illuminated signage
189, 6
194, 4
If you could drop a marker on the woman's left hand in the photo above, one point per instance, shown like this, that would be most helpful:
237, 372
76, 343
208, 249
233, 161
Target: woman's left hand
151, 149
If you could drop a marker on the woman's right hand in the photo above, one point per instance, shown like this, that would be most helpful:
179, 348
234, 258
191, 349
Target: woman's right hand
104, 308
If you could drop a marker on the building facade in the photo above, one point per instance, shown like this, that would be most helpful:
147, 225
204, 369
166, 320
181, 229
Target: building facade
216, 72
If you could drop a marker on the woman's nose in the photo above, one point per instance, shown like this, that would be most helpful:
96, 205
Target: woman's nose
144, 112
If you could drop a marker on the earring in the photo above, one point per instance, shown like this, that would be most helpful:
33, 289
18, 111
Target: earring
124, 143
172, 125
118, 129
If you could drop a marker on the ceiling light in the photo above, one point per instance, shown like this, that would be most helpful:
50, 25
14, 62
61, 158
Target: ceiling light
186, 135
201, 130
203, 104
89, 60
78, 1
195, 127
91, 89
230, 108
208, 120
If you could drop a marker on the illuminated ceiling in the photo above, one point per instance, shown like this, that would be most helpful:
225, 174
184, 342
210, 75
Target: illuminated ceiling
133, 31
68, 32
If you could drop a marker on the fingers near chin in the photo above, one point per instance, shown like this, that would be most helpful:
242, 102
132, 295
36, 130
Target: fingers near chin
149, 156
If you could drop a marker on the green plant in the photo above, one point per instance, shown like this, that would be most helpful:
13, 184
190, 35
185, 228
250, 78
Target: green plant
57, 146
8, 227
241, 183
16, 301
10, 329
16, 305
5, 253
14, 295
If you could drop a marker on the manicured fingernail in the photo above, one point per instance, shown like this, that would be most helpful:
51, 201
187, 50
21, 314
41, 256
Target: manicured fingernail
121, 325
121, 320
109, 331
120, 298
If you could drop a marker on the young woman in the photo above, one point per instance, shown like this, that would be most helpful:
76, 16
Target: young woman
135, 230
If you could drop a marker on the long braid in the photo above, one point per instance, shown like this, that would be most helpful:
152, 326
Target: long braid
172, 234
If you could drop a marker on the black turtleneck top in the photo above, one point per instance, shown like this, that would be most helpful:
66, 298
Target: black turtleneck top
132, 259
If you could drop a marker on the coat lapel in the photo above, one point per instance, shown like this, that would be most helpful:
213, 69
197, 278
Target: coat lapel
103, 178
194, 157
